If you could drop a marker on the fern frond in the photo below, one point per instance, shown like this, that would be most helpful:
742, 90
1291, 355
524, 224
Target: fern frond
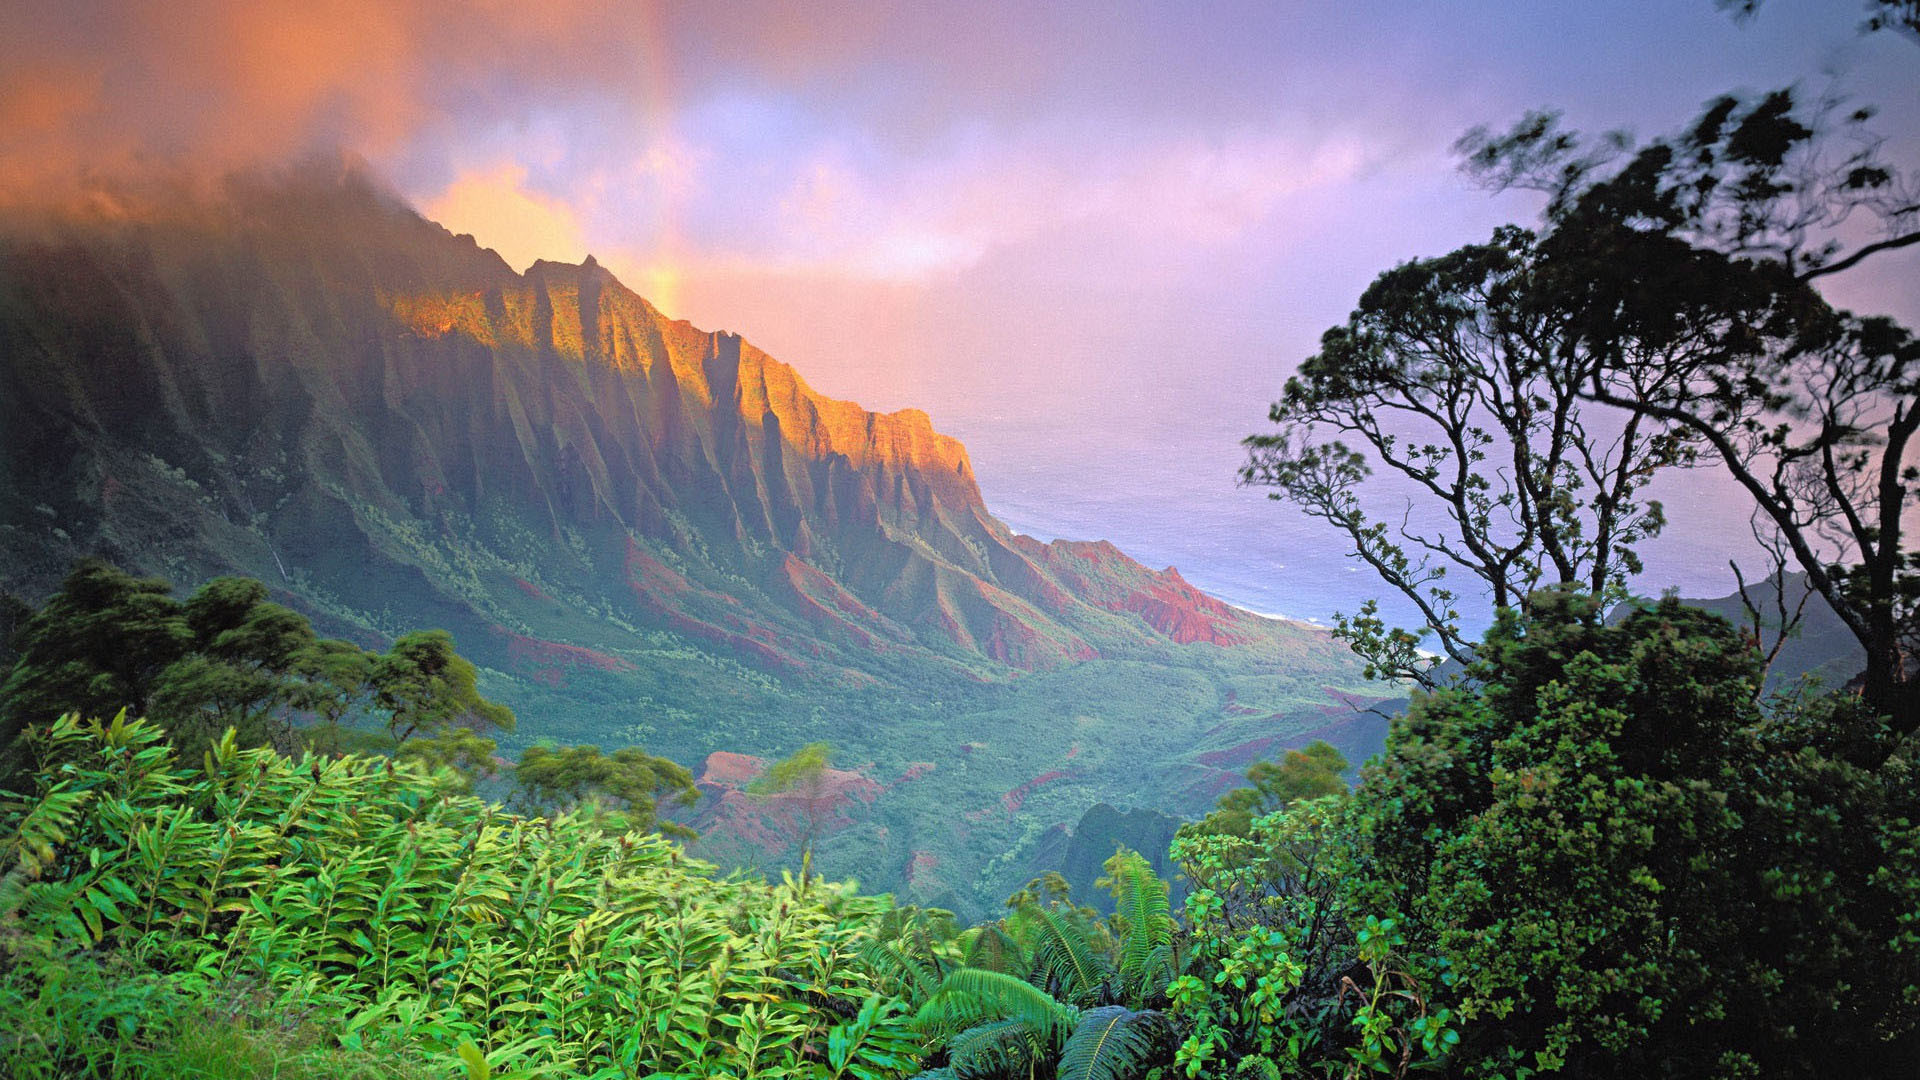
1161, 966
912, 978
970, 996
1115, 1043
1063, 958
1141, 902
993, 949
997, 1048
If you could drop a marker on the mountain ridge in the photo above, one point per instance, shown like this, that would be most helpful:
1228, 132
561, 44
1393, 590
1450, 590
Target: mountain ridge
617, 412
642, 531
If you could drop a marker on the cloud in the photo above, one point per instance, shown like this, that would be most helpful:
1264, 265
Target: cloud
498, 209
98, 90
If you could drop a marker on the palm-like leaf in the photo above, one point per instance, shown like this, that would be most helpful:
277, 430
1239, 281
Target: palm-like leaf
998, 1048
1063, 960
1115, 1043
1141, 902
970, 997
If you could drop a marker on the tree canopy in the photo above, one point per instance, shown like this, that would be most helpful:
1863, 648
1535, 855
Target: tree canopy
803, 775
1666, 314
1625, 868
229, 657
630, 782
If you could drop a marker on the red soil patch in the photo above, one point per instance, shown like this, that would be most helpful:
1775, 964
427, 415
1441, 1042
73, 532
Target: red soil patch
651, 577
1013, 800
731, 770
548, 662
774, 823
1238, 756
921, 864
531, 589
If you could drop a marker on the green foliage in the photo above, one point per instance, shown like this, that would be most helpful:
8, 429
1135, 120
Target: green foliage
1048, 991
98, 645
802, 770
420, 917
1290, 973
631, 783
802, 774
425, 688
1613, 863
228, 658
244, 663
104, 1016
1312, 772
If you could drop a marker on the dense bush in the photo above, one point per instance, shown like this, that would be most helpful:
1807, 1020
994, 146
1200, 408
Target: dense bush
417, 917
1614, 863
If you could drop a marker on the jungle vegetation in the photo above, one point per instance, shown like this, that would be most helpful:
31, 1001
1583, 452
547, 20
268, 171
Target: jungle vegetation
231, 848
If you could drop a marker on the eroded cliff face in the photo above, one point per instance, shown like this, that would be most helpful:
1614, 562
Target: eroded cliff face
646, 533
312, 384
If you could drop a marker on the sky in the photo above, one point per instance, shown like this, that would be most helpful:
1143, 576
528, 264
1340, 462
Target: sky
1091, 239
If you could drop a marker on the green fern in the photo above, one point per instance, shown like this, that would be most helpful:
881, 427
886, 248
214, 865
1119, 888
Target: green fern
418, 913
1115, 1043
1063, 960
993, 949
1146, 920
999, 1048
970, 997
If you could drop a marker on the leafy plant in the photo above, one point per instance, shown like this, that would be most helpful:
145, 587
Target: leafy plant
420, 916
1041, 996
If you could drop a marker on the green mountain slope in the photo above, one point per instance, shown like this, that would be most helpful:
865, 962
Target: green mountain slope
643, 531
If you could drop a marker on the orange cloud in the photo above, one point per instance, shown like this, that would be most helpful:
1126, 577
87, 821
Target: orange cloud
210, 86
496, 207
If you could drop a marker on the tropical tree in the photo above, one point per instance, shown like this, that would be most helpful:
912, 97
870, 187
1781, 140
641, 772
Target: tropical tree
1456, 381
1724, 231
242, 668
630, 784
337, 688
1528, 389
1310, 772
1609, 862
98, 645
431, 703
229, 658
